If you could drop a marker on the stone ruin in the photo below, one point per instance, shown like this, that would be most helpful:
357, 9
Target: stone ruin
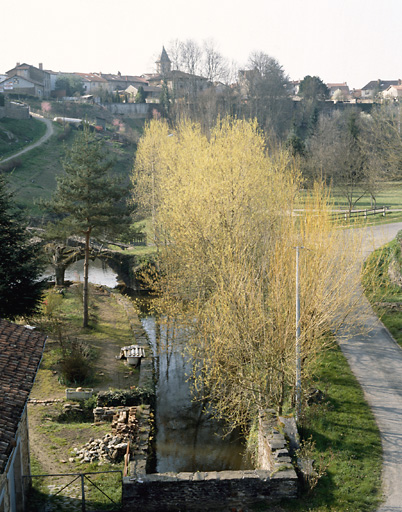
126, 429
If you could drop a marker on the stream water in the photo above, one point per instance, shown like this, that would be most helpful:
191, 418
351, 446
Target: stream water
98, 273
186, 438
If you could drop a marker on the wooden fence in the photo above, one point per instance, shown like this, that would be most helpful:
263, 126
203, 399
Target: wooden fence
360, 213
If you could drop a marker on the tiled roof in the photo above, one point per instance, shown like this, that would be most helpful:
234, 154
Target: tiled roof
20, 355
380, 84
91, 77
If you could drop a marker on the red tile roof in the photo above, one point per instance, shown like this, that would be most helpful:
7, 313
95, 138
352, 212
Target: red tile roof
20, 355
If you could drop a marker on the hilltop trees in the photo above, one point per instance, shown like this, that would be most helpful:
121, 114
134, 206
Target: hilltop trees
222, 211
313, 88
90, 202
266, 86
20, 268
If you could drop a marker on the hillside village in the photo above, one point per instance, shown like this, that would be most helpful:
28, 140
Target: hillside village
99, 87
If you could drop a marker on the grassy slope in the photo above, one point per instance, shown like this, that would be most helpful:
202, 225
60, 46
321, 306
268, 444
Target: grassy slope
36, 178
22, 132
381, 292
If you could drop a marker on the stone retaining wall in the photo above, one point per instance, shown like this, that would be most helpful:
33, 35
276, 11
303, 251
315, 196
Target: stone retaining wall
274, 480
206, 491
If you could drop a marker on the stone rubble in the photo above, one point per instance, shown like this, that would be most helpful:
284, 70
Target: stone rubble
111, 448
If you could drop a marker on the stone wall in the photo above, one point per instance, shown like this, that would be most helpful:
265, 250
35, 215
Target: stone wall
141, 339
14, 111
135, 110
206, 491
274, 480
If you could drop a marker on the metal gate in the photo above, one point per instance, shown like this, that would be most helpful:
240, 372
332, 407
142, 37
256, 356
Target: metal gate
80, 494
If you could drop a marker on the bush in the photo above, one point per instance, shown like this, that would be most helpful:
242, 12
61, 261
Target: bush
10, 165
85, 414
75, 364
126, 397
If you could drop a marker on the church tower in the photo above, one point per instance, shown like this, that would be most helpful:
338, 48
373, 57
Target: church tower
163, 64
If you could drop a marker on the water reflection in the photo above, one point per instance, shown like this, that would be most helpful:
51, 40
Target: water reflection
99, 273
187, 439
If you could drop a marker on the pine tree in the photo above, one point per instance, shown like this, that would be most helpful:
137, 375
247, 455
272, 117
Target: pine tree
91, 202
20, 267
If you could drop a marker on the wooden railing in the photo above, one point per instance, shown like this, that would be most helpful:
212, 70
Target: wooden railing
346, 214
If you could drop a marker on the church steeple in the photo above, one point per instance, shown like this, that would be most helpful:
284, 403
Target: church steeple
163, 64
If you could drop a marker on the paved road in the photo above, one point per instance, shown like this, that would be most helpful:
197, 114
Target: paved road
376, 360
48, 134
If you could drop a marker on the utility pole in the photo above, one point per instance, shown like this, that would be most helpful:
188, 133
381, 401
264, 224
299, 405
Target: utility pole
298, 351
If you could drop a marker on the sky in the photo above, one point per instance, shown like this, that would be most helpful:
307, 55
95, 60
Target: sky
351, 41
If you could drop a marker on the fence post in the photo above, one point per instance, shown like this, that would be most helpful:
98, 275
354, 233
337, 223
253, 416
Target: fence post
365, 213
83, 492
383, 211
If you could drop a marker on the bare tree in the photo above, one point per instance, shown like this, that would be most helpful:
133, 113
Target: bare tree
191, 57
215, 67
175, 54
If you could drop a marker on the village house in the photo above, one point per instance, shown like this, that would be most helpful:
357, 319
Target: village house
339, 91
393, 92
375, 87
94, 84
21, 351
152, 94
120, 82
27, 79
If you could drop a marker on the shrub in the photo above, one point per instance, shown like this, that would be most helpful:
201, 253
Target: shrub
128, 397
85, 414
75, 364
9, 166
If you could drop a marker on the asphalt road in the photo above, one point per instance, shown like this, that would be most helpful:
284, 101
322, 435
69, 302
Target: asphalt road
376, 360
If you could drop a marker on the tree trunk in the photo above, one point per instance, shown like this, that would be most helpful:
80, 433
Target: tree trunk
85, 289
59, 275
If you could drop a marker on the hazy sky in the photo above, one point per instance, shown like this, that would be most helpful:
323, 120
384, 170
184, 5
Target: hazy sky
351, 41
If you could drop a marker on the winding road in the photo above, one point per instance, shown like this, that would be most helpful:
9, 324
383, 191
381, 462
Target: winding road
376, 360
46, 136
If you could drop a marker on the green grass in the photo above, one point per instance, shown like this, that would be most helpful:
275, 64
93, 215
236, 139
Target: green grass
23, 132
381, 292
35, 179
347, 440
390, 195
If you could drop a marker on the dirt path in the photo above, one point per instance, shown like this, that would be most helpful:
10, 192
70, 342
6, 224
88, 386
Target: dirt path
48, 134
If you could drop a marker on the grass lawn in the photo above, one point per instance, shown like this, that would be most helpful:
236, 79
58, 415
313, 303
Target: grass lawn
347, 444
52, 436
390, 195
15, 134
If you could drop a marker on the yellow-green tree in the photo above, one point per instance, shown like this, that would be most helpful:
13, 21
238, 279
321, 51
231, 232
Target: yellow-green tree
229, 216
